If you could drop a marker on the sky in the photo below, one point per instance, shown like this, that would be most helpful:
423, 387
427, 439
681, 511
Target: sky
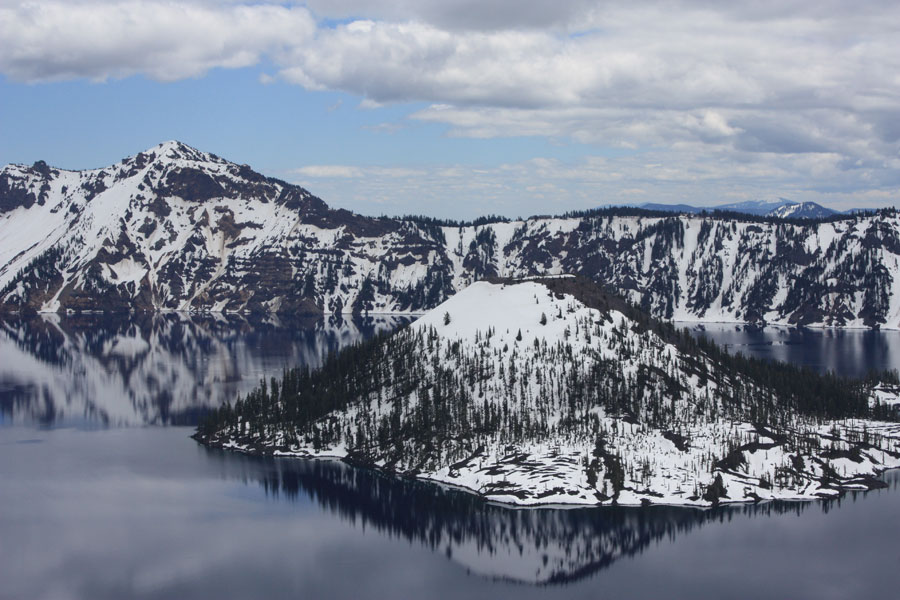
461, 108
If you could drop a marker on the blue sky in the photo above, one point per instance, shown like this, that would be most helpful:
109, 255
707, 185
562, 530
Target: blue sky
458, 109
275, 127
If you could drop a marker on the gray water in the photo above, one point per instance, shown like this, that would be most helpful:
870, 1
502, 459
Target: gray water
101, 496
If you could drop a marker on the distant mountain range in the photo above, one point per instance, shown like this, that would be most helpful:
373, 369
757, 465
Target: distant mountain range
176, 228
784, 209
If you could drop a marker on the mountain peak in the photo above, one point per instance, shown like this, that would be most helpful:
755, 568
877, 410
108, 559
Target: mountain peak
802, 210
176, 150
170, 146
518, 307
168, 151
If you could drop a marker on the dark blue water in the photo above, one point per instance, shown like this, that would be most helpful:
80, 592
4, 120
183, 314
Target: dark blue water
851, 352
102, 497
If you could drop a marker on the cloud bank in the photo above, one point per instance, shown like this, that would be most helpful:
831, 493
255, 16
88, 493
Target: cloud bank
167, 41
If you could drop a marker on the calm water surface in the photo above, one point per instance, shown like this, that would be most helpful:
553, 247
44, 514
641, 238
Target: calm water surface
103, 495
164, 369
851, 352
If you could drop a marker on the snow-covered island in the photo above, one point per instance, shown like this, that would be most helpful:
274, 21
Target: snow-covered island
551, 391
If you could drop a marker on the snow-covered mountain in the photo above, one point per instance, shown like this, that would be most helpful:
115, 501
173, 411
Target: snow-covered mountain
551, 391
759, 208
782, 209
174, 228
753, 207
802, 210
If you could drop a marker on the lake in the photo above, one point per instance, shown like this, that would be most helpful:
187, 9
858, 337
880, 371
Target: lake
104, 495
851, 352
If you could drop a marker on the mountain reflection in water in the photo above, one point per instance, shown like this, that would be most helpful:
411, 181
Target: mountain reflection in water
537, 546
157, 369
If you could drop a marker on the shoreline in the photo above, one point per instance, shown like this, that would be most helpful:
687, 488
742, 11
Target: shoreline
644, 502
683, 323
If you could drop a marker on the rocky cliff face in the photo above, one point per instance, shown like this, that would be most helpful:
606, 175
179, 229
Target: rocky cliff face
174, 228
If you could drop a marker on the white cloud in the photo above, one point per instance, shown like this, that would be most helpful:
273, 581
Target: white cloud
329, 171
369, 104
167, 41
456, 15
774, 79
550, 186
350, 172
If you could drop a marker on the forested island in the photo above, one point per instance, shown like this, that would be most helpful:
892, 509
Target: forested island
554, 391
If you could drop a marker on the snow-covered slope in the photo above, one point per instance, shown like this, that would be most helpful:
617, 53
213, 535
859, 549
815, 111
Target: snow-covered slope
802, 210
552, 392
782, 209
174, 228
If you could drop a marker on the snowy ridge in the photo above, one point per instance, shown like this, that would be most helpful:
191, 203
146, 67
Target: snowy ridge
174, 228
801, 210
782, 209
524, 394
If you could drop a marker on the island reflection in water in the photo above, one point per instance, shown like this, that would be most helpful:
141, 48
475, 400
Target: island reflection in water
148, 513
155, 369
542, 546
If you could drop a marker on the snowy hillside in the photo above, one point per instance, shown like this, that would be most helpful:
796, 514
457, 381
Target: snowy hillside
550, 391
174, 228
802, 210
